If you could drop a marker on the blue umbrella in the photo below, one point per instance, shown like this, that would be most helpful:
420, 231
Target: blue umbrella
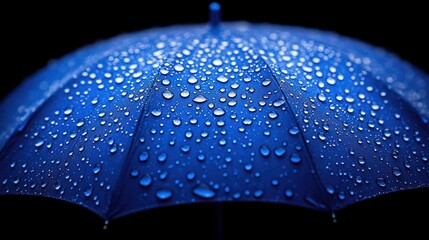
219, 112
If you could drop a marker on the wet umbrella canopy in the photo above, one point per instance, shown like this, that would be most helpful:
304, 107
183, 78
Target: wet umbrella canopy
229, 112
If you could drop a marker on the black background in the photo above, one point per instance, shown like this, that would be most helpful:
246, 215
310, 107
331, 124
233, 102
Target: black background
33, 34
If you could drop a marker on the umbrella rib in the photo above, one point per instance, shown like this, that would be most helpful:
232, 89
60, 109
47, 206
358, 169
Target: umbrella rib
316, 175
125, 165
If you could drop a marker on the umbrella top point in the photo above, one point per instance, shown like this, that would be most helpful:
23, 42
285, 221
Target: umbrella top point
215, 17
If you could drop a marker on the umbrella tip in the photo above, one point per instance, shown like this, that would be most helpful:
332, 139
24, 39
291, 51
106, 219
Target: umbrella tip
214, 8
334, 217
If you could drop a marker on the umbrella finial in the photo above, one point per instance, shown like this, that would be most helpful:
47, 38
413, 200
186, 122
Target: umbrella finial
214, 15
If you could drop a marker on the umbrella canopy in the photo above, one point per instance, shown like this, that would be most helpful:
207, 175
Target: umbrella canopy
238, 112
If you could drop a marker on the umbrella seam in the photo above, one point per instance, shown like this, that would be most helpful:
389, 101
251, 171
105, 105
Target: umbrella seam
318, 179
124, 167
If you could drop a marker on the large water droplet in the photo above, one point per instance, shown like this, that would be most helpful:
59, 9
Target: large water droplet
321, 97
219, 112
185, 93
39, 142
185, 148
164, 194
119, 80
162, 157
293, 131
264, 151
57, 185
88, 191
222, 79
68, 111
396, 171
217, 62
144, 156
178, 67
200, 99
203, 191
258, 193
273, 115
146, 180
96, 169
279, 152
279, 102
266, 82
247, 121
361, 160
167, 94
190, 176
381, 182
289, 193
295, 158
192, 80
156, 112
80, 122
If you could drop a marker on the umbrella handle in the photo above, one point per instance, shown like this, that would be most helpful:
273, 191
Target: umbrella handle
215, 17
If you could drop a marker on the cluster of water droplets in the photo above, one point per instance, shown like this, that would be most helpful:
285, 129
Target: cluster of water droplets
176, 117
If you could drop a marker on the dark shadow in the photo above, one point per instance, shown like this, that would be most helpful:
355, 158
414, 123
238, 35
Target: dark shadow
390, 214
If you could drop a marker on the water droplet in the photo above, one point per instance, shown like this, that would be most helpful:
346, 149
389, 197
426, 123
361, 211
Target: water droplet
156, 112
167, 94
330, 81
381, 182
203, 191
39, 143
289, 193
258, 193
201, 157
68, 111
322, 136
144, 156
177, 122
266, 82
185, 148
279, 102
321, 97
273, 115
192, 80
178, 67
162, 157
146, 180
119, 80
164, 194
359, 179
247, 121
293, 131
222, 79
219, 112
200, 99
361, 160
88, 191
185, 93
113, 148
217, 62
80, 122
96, 169
134, 173
295, 158
330, 189
248, 167
264, 151
190, 176
57, 185
396, 171
279, 152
